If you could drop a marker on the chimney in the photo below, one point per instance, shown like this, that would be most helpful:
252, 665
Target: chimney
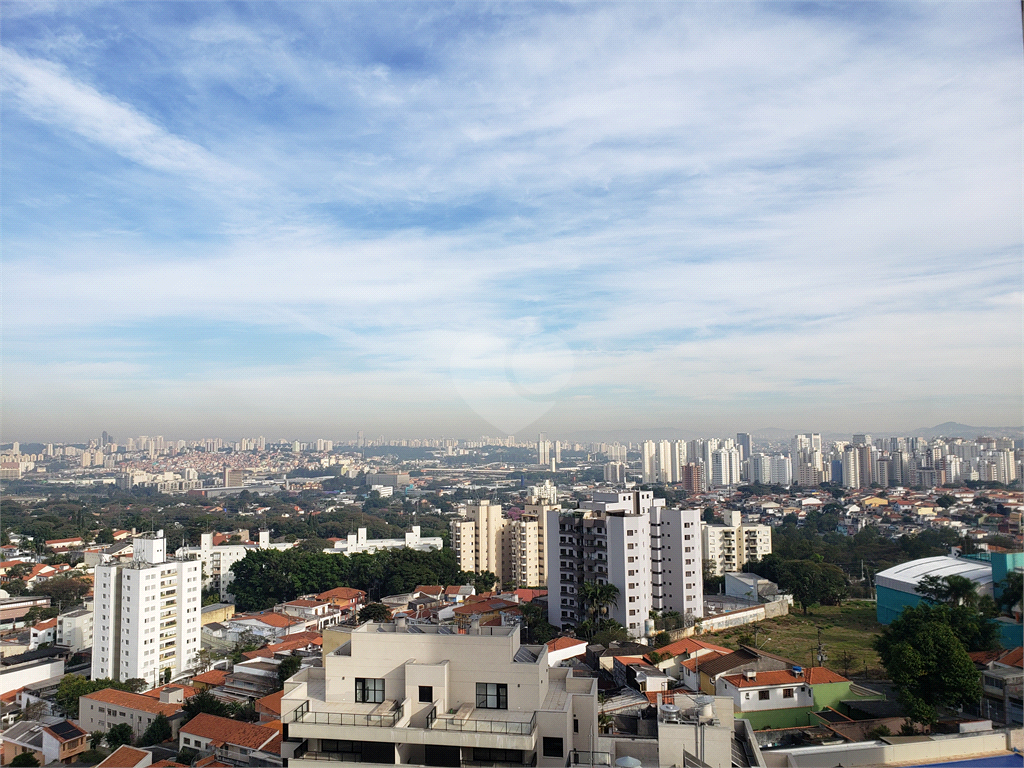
401, 624
474, 624
750, 674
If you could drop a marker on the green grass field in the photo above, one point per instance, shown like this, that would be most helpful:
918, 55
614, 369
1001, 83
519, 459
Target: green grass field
848, 628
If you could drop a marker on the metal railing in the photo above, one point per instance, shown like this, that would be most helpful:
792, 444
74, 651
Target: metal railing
385, 720
515, 728
577, 757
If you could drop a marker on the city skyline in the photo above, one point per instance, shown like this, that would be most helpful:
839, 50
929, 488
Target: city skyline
313, 219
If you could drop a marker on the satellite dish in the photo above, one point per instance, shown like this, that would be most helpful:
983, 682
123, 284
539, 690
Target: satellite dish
628, 762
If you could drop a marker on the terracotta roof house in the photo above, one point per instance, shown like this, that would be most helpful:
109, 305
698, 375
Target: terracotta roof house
127, 757
100, 710
230, 740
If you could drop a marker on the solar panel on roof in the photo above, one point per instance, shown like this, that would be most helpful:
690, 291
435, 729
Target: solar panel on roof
66, 730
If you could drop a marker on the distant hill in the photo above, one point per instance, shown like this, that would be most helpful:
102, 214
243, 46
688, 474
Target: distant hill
954, 429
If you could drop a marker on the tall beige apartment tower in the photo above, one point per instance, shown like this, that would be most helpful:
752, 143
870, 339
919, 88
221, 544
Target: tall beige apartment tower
477, 539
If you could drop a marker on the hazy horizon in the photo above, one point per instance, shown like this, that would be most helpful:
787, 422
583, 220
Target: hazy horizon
309, 219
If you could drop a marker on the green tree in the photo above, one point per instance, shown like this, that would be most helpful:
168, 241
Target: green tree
73, 686
484, 582
136, 685
63, 591
927, 662
105, 536
1012, 587
950, 590
204, 701
288, 667
24, 759
157, 732
375, 612
119, 734
608, 631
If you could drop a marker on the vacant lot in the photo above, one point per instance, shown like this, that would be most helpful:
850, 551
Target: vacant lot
847, 629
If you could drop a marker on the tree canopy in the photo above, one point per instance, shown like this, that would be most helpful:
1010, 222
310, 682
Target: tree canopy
928, 662
72, 686
267, 577
156, 732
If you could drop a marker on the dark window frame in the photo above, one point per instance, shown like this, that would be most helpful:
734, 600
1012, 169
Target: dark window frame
428, 691
492, 695
553, 746
369, 690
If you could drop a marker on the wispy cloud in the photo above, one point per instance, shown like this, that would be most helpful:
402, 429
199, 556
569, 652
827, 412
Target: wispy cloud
746, 212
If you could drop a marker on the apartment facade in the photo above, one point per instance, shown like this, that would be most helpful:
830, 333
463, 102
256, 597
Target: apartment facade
75, 629
147, 614
524, 542
728, 547
677, 579
101, 710
478, 541
401, 694
629, 539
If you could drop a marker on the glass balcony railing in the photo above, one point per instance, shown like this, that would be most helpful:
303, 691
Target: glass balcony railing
515, 728
385, 720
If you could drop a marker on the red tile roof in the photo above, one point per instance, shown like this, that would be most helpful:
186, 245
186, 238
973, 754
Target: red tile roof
692, 662
342, 593
271, 703
124, 757
561, 643
812, 676
430, 589
306, 603
132, 701
42, 626
269, 618
1014, 657
689, 645
223, 730
167, 764
528, 595
485, 606
213, 677
187, 691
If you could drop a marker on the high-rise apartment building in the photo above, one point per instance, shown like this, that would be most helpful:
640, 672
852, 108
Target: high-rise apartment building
743, 443
866, 463
477, 539
851, 467
543, 450
728, 547
693, 477
649, 458
781, 472
523, 541
663, 457
147, 614
629, 539
725, 467
760, 468
615, 472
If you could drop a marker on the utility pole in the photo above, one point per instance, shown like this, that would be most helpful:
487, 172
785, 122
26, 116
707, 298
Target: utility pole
822, 657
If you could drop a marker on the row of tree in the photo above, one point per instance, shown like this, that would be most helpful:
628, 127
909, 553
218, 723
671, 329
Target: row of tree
267, 577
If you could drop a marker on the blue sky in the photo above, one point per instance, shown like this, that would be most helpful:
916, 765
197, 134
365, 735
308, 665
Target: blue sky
307, 219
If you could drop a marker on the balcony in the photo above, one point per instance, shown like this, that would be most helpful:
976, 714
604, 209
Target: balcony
454, 722
371, 719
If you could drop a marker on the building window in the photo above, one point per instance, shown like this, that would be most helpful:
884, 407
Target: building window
552, 746
787, 693
369, 690
426, 694
764, 695
492, 696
